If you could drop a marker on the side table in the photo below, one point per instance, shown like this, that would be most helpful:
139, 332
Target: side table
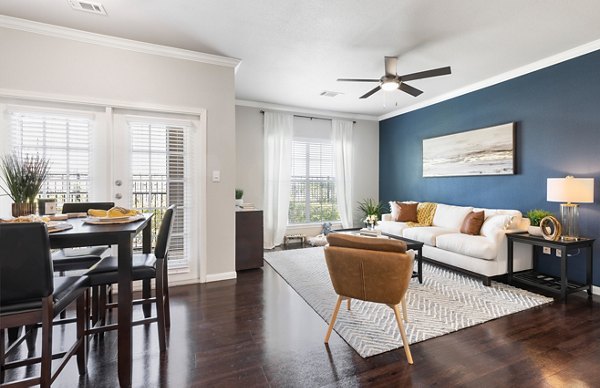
559, 285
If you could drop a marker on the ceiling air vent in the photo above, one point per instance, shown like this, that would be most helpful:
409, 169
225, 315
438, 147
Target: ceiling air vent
328, 93
88, 6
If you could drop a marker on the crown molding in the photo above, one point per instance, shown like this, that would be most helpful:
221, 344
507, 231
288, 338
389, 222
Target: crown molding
295, 109
115, 42
519, 71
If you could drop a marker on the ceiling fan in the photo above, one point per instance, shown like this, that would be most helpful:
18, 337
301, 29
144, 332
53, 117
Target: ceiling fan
392, 81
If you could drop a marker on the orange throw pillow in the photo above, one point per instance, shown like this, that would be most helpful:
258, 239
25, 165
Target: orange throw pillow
407, 212
472, 223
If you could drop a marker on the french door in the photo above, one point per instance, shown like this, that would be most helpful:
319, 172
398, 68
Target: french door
152, 165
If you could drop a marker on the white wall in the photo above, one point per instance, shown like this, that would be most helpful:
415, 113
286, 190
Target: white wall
34, 64
249, 152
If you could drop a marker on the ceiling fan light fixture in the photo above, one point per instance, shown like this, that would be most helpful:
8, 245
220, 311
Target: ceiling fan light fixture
389, 85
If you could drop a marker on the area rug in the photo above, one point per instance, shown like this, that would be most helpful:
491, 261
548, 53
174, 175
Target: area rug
446, 302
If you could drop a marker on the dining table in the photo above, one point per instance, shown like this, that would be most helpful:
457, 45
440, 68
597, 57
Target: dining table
122, 236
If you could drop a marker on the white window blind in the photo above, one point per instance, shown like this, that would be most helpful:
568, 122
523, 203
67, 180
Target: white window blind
312, 192
160, 179
65, 141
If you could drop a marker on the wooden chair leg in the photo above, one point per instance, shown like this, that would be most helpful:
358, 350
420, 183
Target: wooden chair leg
404, 309
31, 332
46, 367
2, 355
333, 317
95, 298
81, 326
349, 301
102, 305
63, 314
160, 305
403, 334
166, 293
147, 294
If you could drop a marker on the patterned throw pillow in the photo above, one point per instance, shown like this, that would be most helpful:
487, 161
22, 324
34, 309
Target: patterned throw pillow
425, 213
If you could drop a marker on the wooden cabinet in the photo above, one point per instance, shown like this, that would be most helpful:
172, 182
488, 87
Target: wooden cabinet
248, 239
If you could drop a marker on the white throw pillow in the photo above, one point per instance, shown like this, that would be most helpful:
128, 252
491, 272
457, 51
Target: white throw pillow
451, 217
495, 224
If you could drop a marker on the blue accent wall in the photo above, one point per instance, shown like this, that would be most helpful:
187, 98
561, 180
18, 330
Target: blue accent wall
557, 111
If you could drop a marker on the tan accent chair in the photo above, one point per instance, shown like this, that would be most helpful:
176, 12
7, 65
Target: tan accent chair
370, 269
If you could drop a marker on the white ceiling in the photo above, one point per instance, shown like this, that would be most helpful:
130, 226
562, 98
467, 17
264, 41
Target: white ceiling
293, 50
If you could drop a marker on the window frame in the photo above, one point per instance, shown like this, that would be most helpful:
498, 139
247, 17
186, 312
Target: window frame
307, 179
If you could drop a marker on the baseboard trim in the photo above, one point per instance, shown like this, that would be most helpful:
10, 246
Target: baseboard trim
217, 277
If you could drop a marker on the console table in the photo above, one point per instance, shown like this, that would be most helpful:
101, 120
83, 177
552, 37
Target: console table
558, 285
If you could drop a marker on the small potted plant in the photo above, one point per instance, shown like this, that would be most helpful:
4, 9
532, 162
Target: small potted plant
371, 210
239, 194
535, 216
23, 178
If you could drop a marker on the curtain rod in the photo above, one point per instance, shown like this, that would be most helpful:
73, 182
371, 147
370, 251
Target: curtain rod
310, 117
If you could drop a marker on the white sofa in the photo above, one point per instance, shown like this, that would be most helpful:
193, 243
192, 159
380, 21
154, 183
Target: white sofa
484, 255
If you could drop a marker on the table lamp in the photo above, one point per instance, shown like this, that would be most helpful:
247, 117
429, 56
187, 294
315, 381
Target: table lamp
569, 189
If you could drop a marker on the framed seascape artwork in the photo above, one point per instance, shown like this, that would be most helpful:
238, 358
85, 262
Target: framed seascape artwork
485, 151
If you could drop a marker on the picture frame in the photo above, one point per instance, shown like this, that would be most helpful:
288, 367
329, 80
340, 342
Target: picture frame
477, 152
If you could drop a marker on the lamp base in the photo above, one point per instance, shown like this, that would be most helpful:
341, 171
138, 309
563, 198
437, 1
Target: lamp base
569, 216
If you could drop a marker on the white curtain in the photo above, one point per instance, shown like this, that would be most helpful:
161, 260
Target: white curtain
278, 133
341, 136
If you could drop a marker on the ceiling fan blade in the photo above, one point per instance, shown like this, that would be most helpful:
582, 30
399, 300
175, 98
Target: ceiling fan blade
426, 74
391, 66
357, 80
409, 89
371, 92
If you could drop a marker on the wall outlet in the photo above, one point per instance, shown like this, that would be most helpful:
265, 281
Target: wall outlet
547, 250
558, 253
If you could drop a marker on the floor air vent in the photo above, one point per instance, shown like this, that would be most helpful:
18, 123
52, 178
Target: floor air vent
88, 6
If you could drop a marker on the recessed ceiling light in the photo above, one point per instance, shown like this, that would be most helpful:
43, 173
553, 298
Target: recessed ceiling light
328, 93
88, 6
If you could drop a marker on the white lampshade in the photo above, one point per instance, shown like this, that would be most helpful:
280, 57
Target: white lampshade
569, 189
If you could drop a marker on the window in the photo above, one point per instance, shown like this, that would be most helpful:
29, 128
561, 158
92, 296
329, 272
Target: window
312, 192
159, 179
65, 141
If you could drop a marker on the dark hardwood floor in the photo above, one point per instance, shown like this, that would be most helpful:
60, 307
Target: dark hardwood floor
257, 332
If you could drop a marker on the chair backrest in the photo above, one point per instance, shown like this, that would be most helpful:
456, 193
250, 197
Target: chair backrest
164, 233
83, 207
26, 272
370, 269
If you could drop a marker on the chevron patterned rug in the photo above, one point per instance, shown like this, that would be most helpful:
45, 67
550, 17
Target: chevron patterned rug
444, 303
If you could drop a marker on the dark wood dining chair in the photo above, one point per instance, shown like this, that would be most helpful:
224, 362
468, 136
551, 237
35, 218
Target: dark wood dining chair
77, 259
74, 259
146, 266
30, 294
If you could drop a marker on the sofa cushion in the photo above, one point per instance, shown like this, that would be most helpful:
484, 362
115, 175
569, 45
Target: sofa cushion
405, 212
472, 223
426, 234
465, 244
425, 213
495, 224
392, 227
450, 217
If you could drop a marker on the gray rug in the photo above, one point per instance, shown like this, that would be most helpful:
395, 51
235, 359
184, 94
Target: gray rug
444, 303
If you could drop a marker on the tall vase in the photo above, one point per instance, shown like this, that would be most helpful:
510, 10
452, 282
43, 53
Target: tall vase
23, 209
